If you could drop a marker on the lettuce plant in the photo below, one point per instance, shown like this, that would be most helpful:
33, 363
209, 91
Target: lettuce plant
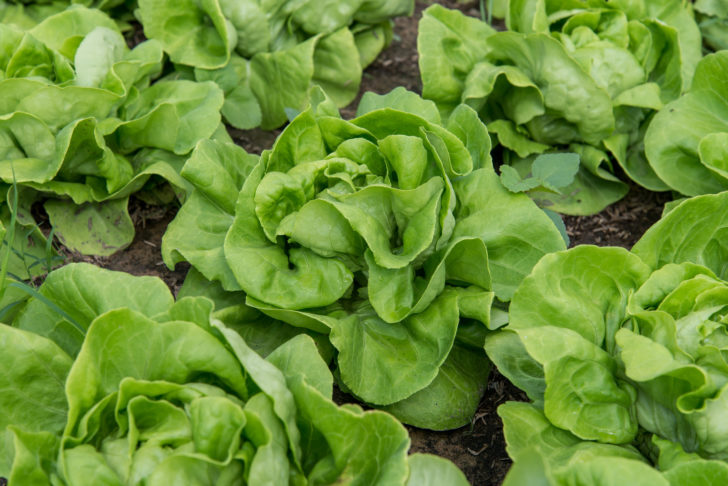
585, 77
108, 380
390, 234
266, 55
614, 345
82, 126
687, 142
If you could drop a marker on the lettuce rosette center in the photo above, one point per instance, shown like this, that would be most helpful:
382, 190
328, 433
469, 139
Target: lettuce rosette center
363, 224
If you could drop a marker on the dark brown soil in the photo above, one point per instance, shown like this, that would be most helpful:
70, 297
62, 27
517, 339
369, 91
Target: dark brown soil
622, 223
478, 449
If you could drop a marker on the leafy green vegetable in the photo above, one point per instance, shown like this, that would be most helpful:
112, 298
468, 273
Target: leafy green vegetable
266, 55
384, 232
687, 142
81, 124
159, 392
586, 77
622, 351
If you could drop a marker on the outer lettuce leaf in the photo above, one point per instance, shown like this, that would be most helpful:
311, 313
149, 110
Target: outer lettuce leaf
262, 332
509, 354
83, 292
687, 468
30, 254
289, 74
399, 99
188, 111
217, 172
413, 241
460, 383
91, 226
198, 36
350, 452
483, 202
382, 377
427, 470
33, 382
371, 40
336, 73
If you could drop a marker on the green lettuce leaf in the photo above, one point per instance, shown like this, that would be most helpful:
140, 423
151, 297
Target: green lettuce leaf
83, 292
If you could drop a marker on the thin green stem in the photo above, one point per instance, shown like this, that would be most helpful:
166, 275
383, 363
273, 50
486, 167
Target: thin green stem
9, 236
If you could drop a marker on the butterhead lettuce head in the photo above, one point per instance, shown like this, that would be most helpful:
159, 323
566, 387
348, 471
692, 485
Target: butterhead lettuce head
384, 233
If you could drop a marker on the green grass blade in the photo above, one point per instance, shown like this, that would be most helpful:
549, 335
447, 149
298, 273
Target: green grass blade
9, 236
51, 305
